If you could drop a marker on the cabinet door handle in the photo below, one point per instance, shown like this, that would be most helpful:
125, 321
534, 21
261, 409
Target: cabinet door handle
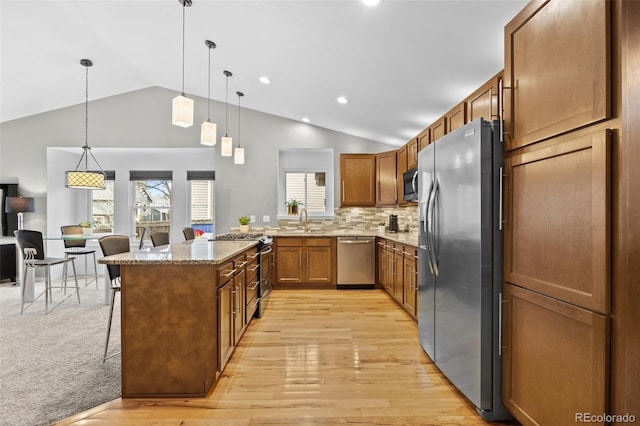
255, 286
233, 271
242, 265
500, 109
254, 268
500, 301
343, 191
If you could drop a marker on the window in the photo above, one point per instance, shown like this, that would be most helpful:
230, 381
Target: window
202, 209
308, 187
102, 204
306, 175
152, 201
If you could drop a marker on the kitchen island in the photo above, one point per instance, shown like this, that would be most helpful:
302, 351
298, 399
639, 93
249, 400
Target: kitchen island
179, 304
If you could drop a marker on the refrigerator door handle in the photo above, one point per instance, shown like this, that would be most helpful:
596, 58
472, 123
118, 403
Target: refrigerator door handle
500, 201
431, 234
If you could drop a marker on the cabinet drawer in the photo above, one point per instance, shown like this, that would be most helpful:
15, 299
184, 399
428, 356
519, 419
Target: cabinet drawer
252, 288
289, 242
318, 242
225, 273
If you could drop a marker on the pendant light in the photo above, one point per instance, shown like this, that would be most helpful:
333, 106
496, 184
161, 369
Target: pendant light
208, 130
182, 111
226, 142
238, 154
86, 179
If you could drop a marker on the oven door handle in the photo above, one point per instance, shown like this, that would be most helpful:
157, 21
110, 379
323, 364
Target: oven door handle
269, 250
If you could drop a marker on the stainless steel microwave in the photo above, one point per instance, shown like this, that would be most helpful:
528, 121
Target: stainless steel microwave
410, 185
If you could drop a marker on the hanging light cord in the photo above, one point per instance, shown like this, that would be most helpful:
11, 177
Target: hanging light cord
239, 97
183, 9
86, 148
226, 104
209, 89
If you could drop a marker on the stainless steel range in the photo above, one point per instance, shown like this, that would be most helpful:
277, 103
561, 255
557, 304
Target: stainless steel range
265, 264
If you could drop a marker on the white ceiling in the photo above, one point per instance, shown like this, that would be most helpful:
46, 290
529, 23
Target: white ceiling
401, 64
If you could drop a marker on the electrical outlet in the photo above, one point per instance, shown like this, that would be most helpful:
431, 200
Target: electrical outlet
253, 218
348, 218
266, 219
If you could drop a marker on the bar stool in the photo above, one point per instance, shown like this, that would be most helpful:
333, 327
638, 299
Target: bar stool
159, 238
75, 245
32, 247
110, 245
189, 233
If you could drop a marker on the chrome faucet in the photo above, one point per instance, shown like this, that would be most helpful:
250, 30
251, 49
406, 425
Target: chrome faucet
306, 218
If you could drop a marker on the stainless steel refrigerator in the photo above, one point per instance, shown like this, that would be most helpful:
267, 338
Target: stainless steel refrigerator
460, 261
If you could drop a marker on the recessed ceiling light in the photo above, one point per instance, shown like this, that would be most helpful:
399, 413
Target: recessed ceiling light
265, 80
342, 100
371, 2
306, 119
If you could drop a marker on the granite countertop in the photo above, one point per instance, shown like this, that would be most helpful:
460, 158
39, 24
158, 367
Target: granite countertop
194, 252
409, 238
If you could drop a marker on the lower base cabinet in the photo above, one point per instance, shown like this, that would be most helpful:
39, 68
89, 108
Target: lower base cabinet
306, 261
554, 359
397, 273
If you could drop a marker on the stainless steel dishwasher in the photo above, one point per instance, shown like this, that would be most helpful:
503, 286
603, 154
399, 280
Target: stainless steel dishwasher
356, 262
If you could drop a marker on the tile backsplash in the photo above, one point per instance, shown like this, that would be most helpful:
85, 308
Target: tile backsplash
355, 218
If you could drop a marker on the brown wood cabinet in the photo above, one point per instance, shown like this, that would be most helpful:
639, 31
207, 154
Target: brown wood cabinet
410, 280
401, 167
357, 180
483, 103
424, 139
386, 189
306, 261
438, 129
567, 199
226, 334
397, 273
456, 117
412, 153
557, 68
558, 238
554, 359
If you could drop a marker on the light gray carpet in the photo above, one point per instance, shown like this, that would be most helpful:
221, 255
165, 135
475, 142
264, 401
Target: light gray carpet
51, 365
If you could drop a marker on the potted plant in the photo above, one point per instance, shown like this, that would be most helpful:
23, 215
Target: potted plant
381, 226
292, 207
244, 223
87, 226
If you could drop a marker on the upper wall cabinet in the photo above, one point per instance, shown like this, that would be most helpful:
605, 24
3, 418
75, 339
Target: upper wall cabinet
357, 180
457, 117
412, 153
386, 188
557, 58
438, 129
424, 139
483, 103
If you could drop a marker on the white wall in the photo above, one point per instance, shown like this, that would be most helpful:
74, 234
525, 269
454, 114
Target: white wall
142, 119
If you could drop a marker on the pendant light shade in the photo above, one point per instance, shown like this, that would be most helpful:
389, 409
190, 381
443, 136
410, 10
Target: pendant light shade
182, 109
238, 155
79, 178
208, 130
226, 148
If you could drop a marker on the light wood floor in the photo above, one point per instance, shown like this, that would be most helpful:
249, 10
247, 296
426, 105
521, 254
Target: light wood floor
318, 357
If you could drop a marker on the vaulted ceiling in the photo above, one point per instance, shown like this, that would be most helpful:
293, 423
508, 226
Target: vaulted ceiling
400, 64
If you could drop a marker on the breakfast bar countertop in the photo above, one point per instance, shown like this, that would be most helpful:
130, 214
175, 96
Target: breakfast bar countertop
193, 252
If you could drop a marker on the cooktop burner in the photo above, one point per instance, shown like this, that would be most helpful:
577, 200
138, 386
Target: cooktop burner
241, 236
